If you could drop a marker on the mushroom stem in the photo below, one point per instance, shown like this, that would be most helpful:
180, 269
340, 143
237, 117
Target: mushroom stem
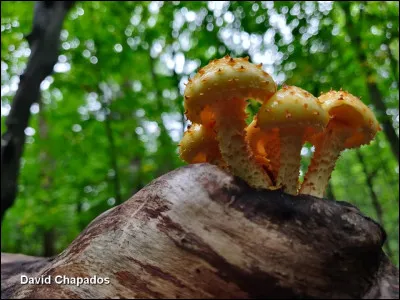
327, 150
290, 159
235, 151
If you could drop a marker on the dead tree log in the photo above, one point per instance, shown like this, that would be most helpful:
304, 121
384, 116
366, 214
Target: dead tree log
197, 232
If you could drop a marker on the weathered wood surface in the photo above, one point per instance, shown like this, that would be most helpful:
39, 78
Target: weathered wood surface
197, 232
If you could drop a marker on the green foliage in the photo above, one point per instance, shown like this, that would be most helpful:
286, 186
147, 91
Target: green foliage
116, 97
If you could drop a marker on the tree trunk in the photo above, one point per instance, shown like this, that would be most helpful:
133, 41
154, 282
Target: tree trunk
329, 191
112, 148
197, 232
48, 243
46, 168
44, 42
164, 138
374, 197
375, 95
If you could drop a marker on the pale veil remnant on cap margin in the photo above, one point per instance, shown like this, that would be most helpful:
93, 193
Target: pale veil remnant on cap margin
220, 91
351, 125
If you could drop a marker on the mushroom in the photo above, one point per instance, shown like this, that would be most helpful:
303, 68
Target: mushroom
351, 125
199, 144
265, 147
297, 114
221, 89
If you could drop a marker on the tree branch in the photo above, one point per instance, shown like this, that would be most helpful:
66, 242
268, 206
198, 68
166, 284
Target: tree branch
44, 42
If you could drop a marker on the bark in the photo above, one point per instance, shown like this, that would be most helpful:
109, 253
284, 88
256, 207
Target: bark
197, 232
15, 264
44, 43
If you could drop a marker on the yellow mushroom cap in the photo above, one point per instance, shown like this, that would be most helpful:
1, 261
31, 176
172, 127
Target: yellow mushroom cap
292, 107
348, 110
224, 77
199, 144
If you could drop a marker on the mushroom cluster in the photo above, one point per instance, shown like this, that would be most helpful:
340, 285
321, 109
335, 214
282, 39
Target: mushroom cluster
267, 152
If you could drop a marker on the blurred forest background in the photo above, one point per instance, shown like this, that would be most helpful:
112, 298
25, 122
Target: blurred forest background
111, 114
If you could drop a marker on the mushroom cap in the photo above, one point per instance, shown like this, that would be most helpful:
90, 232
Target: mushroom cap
199, 144
292, 107
223, 79
347, 110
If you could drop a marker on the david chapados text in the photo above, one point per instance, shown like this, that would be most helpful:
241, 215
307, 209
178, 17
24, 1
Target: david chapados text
62, 279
